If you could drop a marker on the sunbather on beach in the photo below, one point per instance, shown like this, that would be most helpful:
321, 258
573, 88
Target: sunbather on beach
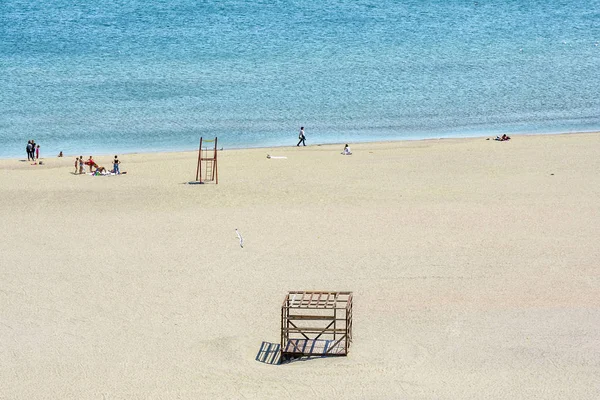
346, 151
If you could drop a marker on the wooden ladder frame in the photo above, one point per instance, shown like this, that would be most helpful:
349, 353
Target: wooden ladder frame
214, 176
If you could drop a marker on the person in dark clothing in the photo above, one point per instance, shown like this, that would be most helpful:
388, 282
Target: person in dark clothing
301, 137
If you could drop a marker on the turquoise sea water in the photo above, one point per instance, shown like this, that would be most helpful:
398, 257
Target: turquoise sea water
120, 76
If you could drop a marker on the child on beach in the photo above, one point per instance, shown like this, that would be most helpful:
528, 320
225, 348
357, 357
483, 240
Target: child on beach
76, 164
346, 151
37, 152
81, 171
116, 163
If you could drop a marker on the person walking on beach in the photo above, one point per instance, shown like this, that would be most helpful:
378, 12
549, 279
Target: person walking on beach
116, 163
301, 137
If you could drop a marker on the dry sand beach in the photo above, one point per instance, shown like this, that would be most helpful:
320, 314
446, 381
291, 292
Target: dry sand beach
474, 266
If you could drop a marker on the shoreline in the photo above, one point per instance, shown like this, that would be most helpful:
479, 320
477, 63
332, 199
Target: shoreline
424, 140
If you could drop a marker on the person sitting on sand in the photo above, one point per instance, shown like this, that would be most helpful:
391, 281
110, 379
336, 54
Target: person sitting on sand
60, 154
346, 151
505, 137
100, 170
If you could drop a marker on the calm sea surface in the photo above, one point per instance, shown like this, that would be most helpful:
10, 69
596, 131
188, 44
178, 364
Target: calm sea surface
120, 76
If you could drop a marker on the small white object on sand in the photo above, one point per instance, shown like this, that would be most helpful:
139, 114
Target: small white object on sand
240, 237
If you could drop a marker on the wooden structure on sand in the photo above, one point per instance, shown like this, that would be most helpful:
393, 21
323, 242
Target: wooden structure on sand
316, 324
208, 158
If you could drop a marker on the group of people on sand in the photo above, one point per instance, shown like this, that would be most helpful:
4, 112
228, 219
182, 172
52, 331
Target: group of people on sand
95, 168
33, 151
504, 138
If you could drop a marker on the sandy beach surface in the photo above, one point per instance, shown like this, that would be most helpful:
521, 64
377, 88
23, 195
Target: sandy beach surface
475, 267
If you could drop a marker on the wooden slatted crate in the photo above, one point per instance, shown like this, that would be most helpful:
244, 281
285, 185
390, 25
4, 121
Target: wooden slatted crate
316, 323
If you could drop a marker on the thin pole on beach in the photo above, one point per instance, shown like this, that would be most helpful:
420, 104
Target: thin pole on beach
215, 175
198, 170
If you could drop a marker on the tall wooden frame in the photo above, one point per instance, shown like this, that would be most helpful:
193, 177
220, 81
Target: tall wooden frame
316, 323
210, 163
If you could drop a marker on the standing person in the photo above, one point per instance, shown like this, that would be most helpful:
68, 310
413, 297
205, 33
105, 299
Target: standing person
32, 150
28, 148
116, 163
76, 164
91, 163
81, 169
301, 137
37, 152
